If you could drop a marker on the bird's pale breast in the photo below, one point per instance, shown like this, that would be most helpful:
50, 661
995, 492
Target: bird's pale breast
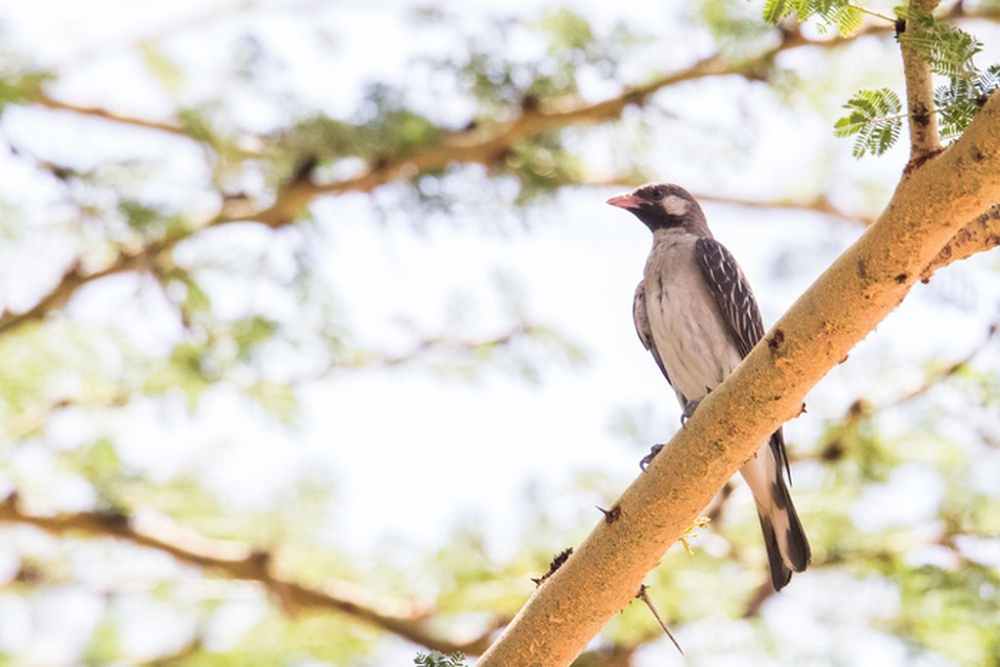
684, 319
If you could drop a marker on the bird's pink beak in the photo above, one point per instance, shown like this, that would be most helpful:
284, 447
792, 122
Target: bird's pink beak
627, 201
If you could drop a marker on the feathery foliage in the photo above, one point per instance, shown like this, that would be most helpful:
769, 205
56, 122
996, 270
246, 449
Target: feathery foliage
436, 659
959, 101
874, 120
947, 49
846, 16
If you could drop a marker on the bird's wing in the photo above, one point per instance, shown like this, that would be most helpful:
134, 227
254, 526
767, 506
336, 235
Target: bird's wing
738, 306
642, 326
732, 293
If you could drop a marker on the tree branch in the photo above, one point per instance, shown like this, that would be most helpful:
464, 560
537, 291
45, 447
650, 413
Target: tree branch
238, 561
843, 306
49, 102
924, 139
982, 234
74, 278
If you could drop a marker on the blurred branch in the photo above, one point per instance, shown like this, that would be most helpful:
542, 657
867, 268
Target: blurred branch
763, 594
862, 408
935, 378
446, 344
820, 205
484, 146
75, 277
35, 417
490, 145
44, 99
239, 561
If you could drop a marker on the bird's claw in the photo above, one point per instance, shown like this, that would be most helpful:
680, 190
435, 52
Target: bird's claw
648, 458
689, 410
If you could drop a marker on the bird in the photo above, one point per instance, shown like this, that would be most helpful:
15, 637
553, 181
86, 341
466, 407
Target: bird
697, 315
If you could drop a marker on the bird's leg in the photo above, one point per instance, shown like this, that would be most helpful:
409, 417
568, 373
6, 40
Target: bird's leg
691, 406
689, 409
648, 458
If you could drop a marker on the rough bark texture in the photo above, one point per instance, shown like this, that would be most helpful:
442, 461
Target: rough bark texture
931, 204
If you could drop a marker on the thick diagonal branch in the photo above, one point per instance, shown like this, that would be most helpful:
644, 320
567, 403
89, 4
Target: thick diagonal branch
867, 282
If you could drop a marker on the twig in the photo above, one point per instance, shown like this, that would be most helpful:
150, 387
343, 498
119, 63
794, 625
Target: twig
862, 408
49, 102
924, 139
644, 596
762, 595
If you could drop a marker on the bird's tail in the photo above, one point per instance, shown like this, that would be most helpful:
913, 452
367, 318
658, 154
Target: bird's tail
787, 547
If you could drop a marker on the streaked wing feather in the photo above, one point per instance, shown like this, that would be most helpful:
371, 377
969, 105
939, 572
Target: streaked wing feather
738, 306
731, 292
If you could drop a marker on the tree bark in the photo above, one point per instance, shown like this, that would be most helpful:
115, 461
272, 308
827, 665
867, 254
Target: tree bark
924, 138
930, 205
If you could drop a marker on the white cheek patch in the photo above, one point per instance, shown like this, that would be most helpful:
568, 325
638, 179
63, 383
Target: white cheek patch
676, 206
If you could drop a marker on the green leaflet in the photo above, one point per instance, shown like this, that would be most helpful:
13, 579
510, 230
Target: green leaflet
874, 120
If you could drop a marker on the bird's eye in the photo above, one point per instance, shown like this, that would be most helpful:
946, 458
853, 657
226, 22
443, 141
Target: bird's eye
659, 193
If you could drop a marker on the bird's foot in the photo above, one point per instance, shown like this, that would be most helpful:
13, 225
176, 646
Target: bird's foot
648, 458
689, 409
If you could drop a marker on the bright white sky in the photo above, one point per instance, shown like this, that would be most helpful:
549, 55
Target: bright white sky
413, 456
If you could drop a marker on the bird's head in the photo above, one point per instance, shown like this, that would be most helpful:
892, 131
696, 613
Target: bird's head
664, 206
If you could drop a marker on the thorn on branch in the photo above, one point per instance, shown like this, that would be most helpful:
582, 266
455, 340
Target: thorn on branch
776, 341
611, 515
642, 595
